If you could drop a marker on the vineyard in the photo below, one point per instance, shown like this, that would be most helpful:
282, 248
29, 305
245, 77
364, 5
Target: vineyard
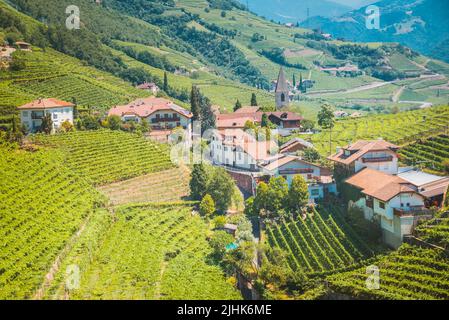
148, 252
430, 153
409, 273
164, 186
435, 231
398, 128
42, 204
53, 74
322, 242
106, 156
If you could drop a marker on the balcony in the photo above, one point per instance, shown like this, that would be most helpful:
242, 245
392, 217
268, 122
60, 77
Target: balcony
296, 171
413, 211
377, 159
165, 119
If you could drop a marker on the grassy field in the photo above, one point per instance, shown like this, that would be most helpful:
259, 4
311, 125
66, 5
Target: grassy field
163, 186
146, 252
106, 156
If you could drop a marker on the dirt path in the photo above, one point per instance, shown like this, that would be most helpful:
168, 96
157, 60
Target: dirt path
397, 94
49, 277
157, 290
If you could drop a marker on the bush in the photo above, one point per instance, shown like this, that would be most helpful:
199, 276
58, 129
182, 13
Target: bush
219, 222
207, 206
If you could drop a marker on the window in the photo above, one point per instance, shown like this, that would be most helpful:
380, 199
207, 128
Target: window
25, 114
55, 116
381, 205
282, 97
315, 192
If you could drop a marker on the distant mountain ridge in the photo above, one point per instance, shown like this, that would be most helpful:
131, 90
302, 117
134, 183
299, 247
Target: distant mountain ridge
419, 24
293, 10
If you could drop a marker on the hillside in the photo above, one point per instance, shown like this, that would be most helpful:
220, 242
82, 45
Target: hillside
417, 24
294, 11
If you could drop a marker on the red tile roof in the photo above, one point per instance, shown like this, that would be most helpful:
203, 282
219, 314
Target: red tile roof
360, 148
46, 104
145, 107
380, 185
227, 120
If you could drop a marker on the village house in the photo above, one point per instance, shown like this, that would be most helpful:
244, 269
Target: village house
378, 155
31, 114
240, 150
348, 70
161, 114
150, 87
294, 145
24, 46
283, 120
397, 202
319, 179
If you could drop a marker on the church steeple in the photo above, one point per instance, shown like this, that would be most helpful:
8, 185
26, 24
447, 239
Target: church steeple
282, 91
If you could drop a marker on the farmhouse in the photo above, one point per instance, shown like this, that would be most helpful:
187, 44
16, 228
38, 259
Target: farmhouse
295, 145
283, 120
238, 149
319, 179
31, 114
160, 113
396, 203
151, 87
378, 155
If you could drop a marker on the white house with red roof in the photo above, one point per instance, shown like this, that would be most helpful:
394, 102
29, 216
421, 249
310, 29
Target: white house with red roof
239, 149
377, 154
31, 114
160, 113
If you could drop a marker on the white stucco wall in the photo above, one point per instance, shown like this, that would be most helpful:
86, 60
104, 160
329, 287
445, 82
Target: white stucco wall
58, 116
390, 167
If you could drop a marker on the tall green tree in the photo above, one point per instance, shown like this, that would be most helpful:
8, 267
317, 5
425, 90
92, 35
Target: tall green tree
47, 124
254, 100
198, 182
207, 206
278, 193
298, 194
300, 82
195, 104
221, 187
326, 120
294, 81
165, 87
237, 106
208, 120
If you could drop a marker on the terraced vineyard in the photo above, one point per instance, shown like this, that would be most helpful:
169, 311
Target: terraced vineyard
52, 74
435, 231
320, 243
429, 153
149, 252
42, 204
106, 156
409, 273
398, 128
164, 186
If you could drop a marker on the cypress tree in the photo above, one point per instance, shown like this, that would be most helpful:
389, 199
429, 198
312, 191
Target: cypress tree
253, 100
165, 88
237, 106
195, 106
198, 182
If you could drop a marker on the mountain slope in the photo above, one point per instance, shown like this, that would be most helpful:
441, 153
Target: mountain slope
293, 10
419, 24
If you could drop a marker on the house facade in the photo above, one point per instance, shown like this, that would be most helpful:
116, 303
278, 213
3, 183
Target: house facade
31, 114
160, 113
377, 154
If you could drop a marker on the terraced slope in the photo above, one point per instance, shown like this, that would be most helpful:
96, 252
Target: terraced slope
430, 153
323, 242
435, 231
106, 156
148, 252
409, 273
42, 205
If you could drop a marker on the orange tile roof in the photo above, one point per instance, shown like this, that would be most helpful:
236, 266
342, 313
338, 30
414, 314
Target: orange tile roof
249, 109
46, 104
380, 185
359, 148
147, 106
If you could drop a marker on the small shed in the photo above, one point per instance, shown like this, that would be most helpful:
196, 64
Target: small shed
23, 45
